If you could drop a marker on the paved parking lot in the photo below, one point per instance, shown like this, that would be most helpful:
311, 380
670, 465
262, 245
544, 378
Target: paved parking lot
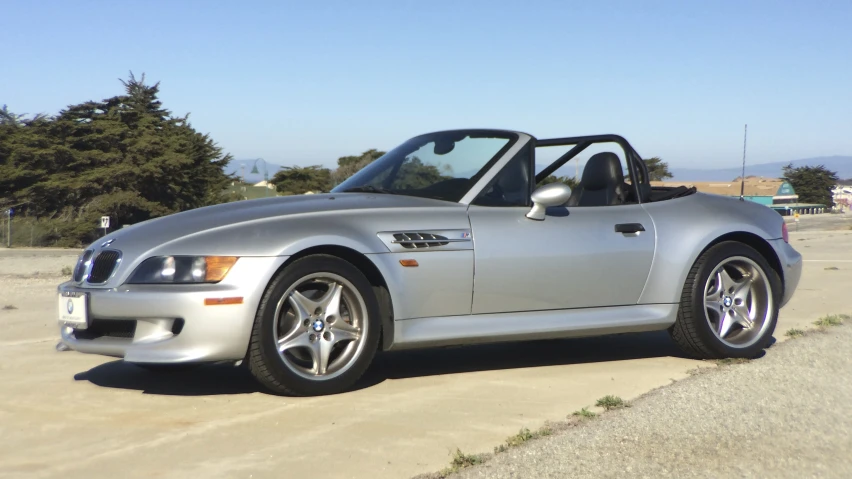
65, 414
821, 222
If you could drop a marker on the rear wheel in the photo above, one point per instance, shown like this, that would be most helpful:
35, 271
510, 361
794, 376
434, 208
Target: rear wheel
317, 328
729, 304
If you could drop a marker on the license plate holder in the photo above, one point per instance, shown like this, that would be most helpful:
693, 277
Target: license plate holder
74, 309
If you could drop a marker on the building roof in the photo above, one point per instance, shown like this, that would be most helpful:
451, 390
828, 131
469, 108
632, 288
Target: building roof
753, 187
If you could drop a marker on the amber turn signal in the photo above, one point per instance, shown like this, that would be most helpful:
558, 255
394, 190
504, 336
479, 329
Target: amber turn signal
218, 301
218, 267
409, 263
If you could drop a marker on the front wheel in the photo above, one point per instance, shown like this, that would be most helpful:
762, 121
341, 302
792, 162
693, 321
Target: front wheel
729, 304
316, 329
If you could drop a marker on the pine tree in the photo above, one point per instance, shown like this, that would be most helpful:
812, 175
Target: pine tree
813, 184
125, 157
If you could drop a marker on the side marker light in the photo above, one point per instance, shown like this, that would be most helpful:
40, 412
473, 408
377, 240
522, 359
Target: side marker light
220, 301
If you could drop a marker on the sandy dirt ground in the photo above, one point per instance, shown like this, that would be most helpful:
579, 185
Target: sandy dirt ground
70, 415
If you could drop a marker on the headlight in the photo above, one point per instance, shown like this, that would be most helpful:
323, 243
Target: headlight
183, 269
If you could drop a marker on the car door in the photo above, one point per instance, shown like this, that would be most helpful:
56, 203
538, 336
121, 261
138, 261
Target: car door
575, 258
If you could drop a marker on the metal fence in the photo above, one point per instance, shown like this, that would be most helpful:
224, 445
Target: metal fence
28, 232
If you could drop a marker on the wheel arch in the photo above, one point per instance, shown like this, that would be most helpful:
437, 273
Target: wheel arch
759, 244
369, 269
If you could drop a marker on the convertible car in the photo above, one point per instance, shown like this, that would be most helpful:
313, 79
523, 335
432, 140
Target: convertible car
453, 237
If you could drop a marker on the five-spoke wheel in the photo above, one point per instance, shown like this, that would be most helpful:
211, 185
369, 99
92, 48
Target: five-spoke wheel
738, 301
317, 328
728, 307
320, 325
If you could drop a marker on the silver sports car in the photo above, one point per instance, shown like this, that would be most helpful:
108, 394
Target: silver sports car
450, 238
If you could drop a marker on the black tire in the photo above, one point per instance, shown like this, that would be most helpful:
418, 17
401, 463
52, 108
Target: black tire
693, 333
264, 361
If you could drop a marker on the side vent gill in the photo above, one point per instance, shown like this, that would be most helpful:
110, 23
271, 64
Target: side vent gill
427, 240
419, 240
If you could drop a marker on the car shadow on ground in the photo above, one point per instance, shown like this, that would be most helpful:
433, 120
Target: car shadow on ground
527, 354
221, 379
204, 380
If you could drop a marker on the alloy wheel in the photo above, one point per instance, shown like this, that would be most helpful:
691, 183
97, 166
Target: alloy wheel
320, 325
738, 301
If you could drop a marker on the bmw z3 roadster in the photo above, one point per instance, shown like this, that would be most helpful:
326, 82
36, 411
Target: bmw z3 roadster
454, 237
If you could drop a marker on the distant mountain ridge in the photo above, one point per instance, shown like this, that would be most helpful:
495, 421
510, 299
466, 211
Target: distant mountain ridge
841, 164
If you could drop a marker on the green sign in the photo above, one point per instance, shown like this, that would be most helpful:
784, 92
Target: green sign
786, 189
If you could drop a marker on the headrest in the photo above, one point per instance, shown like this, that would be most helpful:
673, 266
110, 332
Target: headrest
603, 170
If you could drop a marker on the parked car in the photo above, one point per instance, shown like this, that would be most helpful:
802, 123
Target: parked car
450, 238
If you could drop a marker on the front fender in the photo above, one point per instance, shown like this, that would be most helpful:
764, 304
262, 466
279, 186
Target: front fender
687, 226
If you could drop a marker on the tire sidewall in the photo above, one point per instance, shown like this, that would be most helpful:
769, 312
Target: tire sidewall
267, 344
711, 260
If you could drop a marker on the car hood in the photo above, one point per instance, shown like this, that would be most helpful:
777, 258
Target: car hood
142, 237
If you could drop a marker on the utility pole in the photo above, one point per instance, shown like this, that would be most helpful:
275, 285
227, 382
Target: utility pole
742, 177
9, 229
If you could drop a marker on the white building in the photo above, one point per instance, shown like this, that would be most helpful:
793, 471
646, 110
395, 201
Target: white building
842, 197
266, 184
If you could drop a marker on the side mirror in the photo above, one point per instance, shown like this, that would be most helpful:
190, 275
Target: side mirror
554, 194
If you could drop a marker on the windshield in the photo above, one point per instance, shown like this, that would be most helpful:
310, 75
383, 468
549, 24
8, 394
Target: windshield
442, 165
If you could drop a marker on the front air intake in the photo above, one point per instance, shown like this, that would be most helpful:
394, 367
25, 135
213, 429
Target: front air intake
419, 240
103, 266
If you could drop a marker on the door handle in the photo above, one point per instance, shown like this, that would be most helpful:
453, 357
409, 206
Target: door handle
625, 228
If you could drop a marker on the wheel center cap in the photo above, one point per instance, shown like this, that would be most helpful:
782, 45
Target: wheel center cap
728, 302
318, 325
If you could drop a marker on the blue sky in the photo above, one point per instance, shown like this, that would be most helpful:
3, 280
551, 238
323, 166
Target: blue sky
306, 82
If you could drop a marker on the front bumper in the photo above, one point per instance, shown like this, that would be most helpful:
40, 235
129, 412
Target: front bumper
791, 266
171, 323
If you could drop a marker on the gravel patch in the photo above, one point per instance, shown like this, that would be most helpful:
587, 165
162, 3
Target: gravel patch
788, 414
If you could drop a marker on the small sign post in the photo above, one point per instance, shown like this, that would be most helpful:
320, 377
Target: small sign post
105, 223
9, 228
797, 220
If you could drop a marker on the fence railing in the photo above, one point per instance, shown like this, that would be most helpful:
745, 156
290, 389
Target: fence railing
33, 232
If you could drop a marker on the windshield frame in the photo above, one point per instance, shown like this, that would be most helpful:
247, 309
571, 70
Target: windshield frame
474, 182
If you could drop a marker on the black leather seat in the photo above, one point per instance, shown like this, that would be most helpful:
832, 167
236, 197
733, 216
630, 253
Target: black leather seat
511, 186
514, 182
602, 183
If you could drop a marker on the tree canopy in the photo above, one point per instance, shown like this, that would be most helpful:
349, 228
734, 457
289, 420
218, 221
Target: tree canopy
813, 184
658, 170
568, 180
297, 180
349, 165
126, 157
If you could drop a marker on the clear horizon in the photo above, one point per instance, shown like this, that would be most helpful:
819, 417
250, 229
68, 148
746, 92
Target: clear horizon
301, 85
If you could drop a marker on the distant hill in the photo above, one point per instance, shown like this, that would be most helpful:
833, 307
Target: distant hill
235, 167
841, 164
